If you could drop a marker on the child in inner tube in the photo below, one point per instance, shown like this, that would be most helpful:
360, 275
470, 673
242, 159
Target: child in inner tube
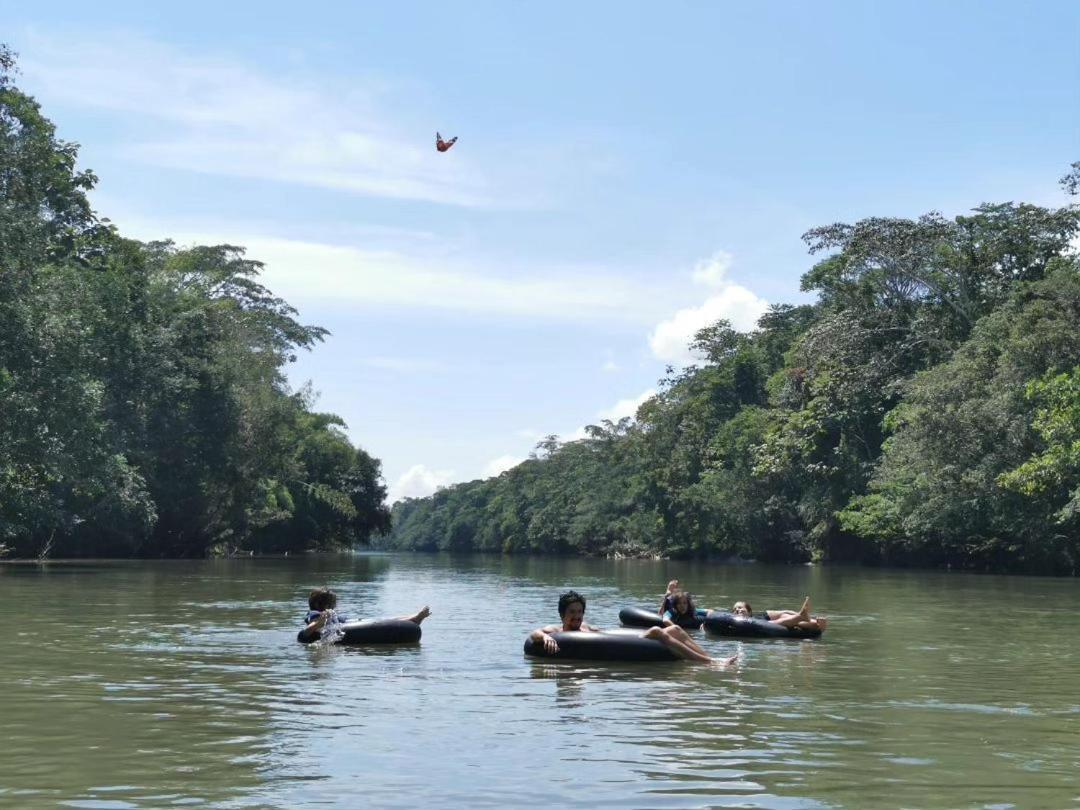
665, 603
679, 609
800, 618
572, 613
321, 604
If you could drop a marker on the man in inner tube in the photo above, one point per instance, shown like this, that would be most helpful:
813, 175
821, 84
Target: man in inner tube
572, 613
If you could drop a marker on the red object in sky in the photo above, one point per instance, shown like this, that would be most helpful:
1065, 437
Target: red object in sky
442, 145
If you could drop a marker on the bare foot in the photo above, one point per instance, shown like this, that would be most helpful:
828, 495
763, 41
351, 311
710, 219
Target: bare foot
724, 663
821, 622
421, 614
804, 611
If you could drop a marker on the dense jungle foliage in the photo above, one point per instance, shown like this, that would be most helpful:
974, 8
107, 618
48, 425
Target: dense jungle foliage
925, 410
143, 407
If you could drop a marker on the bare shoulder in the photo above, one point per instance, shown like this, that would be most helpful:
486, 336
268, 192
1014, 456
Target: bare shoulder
588, 628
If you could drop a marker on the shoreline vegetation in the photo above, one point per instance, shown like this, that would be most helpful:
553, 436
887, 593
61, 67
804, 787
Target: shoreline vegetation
923, 411
144, 411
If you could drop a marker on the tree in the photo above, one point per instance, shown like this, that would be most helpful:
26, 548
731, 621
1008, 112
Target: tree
965, 429
143, 403
1053, 473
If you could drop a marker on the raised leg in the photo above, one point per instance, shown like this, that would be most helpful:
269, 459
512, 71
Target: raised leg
419, 616
790, 618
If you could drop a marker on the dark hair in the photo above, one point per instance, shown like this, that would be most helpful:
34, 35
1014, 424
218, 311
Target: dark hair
674, 598
568, 599
322, 599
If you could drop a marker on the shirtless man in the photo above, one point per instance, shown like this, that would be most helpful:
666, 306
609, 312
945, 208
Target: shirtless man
572, 613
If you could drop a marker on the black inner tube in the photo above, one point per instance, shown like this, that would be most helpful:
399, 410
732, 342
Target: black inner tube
374, 631
602, 647
723, 623
638, 617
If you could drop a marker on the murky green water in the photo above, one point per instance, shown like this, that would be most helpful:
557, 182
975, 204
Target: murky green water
166, 684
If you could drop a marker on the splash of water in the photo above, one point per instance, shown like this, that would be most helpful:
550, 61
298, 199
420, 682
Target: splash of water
334, 628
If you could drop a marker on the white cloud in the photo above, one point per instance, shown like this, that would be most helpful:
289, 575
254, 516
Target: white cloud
419, 482
671, 338
610, 366
220, 116
362, 133
712, 272
500, 465
626, 407
405, 365
304, 272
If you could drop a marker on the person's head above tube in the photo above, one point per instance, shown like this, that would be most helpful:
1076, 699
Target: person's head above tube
682, 604
322, 599
572, 610
742, 608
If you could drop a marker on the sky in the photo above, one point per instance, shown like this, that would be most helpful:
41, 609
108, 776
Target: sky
626, 174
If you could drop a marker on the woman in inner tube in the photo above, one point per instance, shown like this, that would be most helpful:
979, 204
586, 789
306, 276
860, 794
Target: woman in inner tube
679, 610
800, 619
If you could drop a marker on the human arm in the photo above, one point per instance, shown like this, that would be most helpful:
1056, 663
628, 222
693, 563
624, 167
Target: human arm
672, 586
313, 629
542, 635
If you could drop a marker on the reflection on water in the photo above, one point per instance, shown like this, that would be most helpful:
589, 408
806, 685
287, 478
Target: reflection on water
181, 683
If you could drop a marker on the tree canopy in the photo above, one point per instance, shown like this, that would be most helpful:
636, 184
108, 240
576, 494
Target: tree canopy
924, 410
144, 408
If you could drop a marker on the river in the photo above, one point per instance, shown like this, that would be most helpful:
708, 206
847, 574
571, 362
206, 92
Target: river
180, 683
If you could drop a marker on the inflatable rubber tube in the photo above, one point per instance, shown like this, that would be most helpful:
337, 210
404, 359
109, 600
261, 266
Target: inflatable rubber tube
723, 623
637, 617
375, 631
602, 647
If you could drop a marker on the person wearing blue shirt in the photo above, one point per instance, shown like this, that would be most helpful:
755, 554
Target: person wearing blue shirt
680, 610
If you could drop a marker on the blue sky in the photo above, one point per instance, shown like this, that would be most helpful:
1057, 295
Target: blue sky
625, 174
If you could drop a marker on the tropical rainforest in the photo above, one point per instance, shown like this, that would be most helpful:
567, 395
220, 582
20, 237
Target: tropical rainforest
924, 410
144, 410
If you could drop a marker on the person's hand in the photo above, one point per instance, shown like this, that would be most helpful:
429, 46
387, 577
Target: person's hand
550, 645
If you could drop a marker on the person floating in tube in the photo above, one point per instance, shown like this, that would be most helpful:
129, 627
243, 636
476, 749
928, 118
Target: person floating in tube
665, 603
685, 610
679, 609
800, 618
321, 611
572, 613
